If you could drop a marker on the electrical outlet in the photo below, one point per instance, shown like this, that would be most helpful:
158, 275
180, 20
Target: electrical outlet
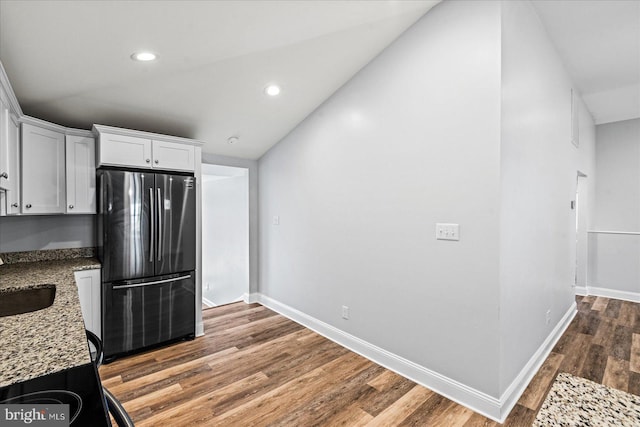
276, 220
447, 231
345, 312
548, 318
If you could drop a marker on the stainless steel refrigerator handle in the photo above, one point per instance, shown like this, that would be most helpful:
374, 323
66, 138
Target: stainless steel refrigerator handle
159, 226
137, 285
153, 225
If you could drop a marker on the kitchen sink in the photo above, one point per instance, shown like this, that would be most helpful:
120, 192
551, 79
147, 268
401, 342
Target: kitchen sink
19, 301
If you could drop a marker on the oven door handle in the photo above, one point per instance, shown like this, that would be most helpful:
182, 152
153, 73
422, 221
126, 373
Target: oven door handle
138, 285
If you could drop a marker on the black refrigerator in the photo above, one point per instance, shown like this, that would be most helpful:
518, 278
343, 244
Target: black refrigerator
146, 244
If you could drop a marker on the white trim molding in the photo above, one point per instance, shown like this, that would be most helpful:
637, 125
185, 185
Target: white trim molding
200, 328
97, 129
511, 395
582, 290
8, 92
609, 293
250, 298
478, 401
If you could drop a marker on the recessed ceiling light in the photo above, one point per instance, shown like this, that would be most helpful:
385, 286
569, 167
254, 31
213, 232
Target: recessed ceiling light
143, 56
272, 90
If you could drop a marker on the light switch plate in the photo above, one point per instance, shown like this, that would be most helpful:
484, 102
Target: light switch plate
446, 231
276, 220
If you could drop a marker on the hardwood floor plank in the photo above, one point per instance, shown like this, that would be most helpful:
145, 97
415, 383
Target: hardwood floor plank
634, 383
147, 399
520, 416
264, 409
352, 416
385, 381
327, 404
537, 389
622, 338
429, 411
477, 420
613, 308
201, 409
604, 335
402, 407
627, 314
600, 304
634, 359
595, 363
156, 379
575, 354
254, 367
375, 403
112, 382
616, 374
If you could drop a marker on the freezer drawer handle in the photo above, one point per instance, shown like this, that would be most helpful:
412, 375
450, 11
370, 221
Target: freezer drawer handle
137, 285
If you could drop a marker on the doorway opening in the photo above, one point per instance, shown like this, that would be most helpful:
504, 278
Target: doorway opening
225, 234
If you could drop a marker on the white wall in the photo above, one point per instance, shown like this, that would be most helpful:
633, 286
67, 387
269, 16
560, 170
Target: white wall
538, 180
618, 187
411, 140
615, 259
225, 234
30, 233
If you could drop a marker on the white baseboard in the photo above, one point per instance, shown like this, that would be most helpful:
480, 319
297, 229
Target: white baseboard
476, 400
199, 329
250, 298
612, 293
581, 290
489, 406
511, 395
208, 303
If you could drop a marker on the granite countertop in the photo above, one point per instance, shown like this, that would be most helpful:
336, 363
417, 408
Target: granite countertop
49, 340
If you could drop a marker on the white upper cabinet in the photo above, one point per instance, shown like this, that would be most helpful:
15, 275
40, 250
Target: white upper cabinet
173, 156
81, 175
146, 151
43, 171
13, 191
9, 161
5, 176
121, 150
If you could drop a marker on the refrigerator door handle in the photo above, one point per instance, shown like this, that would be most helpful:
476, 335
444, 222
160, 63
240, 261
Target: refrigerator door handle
152, 225
138, 285
159, 244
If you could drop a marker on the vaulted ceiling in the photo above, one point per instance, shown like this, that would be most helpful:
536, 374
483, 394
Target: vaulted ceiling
69, 61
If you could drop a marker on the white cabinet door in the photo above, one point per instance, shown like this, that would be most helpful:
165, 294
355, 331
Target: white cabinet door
119, 150
43, 171
81, 175
9, 161
172, 156
4, 145
13, 190
88, 282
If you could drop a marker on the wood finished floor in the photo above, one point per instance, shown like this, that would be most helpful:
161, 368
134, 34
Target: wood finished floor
254, 367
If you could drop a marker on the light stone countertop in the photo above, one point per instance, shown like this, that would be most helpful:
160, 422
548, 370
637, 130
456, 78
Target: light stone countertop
49, 340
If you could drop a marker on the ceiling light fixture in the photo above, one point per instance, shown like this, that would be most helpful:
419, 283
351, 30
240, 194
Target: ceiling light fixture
272, 90
143, 56
233, 140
